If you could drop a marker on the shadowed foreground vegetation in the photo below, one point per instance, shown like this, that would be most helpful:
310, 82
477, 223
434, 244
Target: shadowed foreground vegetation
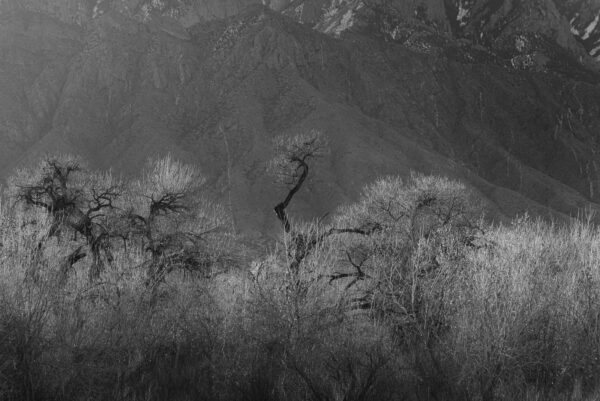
137, 290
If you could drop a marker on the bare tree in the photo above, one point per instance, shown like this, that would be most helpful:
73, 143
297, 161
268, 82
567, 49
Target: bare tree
290, 166
166, 210
173, 218
78, 201
426, 223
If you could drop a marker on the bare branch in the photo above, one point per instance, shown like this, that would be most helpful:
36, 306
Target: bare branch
170, 202
290, 165
280, 208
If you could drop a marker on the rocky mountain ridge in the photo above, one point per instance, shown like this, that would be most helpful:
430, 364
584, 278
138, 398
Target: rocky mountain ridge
488, 23
494, 24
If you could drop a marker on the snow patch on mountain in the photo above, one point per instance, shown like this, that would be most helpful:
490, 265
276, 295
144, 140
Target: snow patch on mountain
340, 16
590, 28
588, 33
463, 12
346, 22
574, 29
96, 9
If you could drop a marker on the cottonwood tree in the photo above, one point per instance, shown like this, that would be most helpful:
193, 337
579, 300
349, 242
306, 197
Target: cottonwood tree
290, 166
409, 275
177, 224
298, 298
428, 224
166, 210
79, 202
307, 245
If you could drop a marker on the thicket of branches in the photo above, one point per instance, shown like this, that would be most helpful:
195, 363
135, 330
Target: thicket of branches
164, 213
135, 288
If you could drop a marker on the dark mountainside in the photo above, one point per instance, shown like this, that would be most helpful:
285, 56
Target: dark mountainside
501, 94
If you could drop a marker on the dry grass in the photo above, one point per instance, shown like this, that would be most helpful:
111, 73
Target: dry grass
528, 309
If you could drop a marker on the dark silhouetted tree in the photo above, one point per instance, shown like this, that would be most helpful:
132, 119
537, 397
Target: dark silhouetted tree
78, 201
290, 166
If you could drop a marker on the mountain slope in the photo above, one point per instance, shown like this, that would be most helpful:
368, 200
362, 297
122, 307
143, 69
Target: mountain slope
35, 55
215, 94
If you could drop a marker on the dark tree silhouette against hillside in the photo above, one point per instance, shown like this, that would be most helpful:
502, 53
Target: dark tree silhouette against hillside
77, 201
165, 211
290, 166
